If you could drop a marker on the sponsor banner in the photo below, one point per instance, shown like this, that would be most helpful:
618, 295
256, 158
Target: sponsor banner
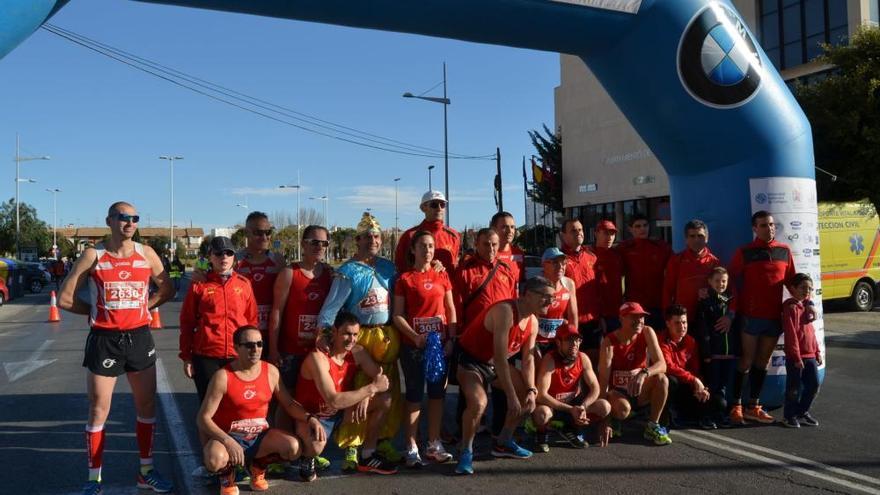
792, 202
628, 6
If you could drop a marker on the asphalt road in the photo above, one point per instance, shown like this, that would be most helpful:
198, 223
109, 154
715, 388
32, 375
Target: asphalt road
43, 411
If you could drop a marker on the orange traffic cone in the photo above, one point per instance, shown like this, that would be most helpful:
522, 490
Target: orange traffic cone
54, 314
155, 321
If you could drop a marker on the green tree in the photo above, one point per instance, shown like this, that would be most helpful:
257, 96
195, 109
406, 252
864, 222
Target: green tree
239, 238
844, 112
548, 190
34, 232
535, 239
160, 245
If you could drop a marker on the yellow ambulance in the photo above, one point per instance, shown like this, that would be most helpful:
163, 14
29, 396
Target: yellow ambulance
849, 234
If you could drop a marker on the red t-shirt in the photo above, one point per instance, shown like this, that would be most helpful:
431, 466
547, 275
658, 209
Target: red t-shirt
299, 323
243, 408
479, 342
424, 293
342, 375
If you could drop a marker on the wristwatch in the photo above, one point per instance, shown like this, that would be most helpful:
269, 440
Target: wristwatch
645, 371
533, 389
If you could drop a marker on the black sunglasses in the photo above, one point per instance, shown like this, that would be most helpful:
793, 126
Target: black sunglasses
545, 298
437, 204
258, 233
221, 254
125, 217
317, 242
257, 344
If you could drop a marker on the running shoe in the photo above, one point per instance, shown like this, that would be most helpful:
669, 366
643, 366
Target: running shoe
376, 464
791, 423
708, 424
227, 483
573, 438
758, 414
241, 475
321, 463
657, 434
437, 453
154, 481
736, 415
350, 460
387, 450
92, 488
724, 422
413, 459
465, 462
542, 442
258, 479
307, 469
807, 419
510, 450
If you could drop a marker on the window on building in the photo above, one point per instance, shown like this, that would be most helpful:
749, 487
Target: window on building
791, 31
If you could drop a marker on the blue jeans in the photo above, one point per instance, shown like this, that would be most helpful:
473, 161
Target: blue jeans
801, 387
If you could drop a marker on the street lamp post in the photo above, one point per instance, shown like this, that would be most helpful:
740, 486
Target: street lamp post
298, 187
324, 198
54, 192
430, 186
18, 179
171, 245
446, 102
396, 188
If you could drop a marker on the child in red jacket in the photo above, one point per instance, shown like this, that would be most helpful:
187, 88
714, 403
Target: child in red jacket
802, 355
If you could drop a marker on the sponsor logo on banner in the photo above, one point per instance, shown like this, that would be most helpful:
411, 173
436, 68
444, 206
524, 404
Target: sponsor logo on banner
795, 225
718, 61
760, 198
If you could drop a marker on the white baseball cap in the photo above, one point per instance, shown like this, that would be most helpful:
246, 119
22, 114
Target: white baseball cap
432, 196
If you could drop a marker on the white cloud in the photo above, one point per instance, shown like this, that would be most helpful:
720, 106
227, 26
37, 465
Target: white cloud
381, 198
265, 191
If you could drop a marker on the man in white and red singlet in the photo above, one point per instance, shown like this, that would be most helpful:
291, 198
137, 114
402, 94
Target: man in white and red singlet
504, 225
118, 273
568, 391
563, 309
260, 266
632, 372
326, 390
233, 417
487, 343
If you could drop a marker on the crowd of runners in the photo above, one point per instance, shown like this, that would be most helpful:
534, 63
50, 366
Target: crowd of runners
288, 358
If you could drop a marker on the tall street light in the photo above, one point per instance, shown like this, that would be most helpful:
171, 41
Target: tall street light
446, 102
171, 245
54, 192
324, 198
396, 188
430, 168
18, 180
298, 187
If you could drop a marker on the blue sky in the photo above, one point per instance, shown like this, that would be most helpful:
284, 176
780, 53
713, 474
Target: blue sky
105, 124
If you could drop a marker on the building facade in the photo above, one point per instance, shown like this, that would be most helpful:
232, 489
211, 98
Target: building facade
82, 237
610, 173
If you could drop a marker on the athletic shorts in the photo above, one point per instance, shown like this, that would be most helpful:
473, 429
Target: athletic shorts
289, 369
330, 423
760, 327
466, 362
591, 334
252, 446
114, 352
545, 347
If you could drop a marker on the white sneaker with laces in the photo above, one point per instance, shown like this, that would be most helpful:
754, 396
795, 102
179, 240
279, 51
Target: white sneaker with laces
436, 453
413, 459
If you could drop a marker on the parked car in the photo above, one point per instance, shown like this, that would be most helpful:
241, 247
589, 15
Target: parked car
35, 277
4, 292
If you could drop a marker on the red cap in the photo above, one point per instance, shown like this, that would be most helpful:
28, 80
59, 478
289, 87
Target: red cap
567, 330
606, 225
632, 308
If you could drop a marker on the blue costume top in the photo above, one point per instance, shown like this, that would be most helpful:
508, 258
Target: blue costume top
362, 290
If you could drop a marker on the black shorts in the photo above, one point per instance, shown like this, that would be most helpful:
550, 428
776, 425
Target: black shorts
591, 333
466, 362
114, 352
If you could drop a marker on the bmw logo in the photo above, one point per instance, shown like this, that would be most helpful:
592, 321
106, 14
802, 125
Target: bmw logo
718, 60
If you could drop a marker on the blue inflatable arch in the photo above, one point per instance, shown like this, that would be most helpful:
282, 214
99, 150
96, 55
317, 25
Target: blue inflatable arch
688, 74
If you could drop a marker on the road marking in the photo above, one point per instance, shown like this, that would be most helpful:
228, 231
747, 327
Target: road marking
712, 442
784, 455
19, 369
187, 460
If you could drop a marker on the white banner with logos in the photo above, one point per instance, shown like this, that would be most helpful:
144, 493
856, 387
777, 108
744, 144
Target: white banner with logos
792, 202
628, 6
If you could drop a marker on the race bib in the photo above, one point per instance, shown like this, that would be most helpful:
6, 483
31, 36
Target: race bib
428, 324
565, 397
263, 316
621, 379
248, 429
376, 301
308, 327
124, 295
547, 327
